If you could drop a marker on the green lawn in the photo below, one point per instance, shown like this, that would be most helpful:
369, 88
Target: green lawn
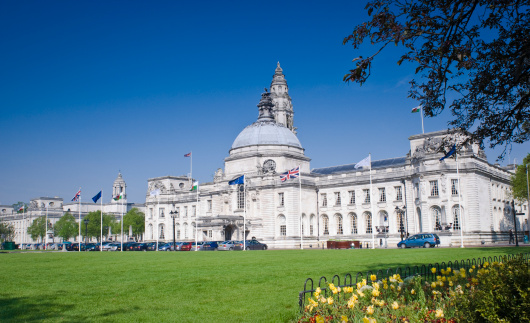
253, 286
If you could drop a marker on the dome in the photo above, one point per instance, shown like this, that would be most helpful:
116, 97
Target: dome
266, 133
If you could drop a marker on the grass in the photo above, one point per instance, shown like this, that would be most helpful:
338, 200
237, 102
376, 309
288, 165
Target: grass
254, 286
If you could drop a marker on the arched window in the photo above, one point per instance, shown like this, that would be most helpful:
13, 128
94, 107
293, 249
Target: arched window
150, 231
193, 230
325, 224
436, 218
353, 222
177, 231
241, 196
311, 224
282, 225
161, 231
383, 221
338, 221
185, 229
304, 226
368, 222
456, 211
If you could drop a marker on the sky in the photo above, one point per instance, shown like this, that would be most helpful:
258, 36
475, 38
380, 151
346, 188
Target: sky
92, 88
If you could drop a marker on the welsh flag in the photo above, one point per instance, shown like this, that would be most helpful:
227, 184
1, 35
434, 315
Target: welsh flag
195, 186
118, 197
416, 109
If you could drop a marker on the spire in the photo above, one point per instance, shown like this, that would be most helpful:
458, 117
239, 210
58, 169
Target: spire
283, 108
265, 106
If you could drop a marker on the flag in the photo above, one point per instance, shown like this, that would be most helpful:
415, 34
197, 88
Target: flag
21, 209
195, 186
154, 192
293, 173
118, 197
239, 180
77, 195
450, 153
363, 163
96, 197
416, 109
188, 154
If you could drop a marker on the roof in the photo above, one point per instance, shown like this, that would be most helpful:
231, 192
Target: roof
398, 161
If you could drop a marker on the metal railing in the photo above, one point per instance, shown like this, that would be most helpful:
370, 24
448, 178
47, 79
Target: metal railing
422, 270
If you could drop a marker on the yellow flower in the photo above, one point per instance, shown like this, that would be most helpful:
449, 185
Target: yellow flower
360, 293
352, 301
323, 299
363, 282
451, 283
395, 305
471, 270
370, 310
486, 264
448, 270
433, 285
330, 300
343, 319
385, 286
433, 270
443, 271
359, 285
441, 284
376, 292
473, 266
369, 320
439, 313
331, 286
320, 319
373, 277
375, 285
392, 287
399, 288
413, 291
467, 285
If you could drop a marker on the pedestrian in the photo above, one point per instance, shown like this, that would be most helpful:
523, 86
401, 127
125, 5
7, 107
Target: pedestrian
511, 238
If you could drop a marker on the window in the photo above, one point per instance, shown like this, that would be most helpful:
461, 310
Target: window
177, 211
399, 195
454, 187
324, 199
434, 188
150, 213
382, 195
282, 225
193, 210
281, 199
366, 195
161, 213
241, 197
352, 197
161, 236
337, 199
338, 219
186, 212
209, 203
353, 220
210, 234
185, 231
437, 218
325, 224
368, 222
456, 217
177, 231
311, 224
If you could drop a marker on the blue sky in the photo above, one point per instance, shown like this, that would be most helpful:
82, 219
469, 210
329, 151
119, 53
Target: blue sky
92, 88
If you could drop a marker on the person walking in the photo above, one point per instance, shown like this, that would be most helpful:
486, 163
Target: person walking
511, 237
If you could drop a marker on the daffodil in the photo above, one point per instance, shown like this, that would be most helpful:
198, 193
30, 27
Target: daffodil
439, 313
370, 310
320, 319
395, 305
330, 300
343, 319
373, 277
376, 292
433, 270
413, 291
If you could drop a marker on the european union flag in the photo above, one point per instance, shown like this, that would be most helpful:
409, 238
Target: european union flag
450, 153
239, 180
97, 197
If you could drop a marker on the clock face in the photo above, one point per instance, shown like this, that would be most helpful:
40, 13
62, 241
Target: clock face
269, 166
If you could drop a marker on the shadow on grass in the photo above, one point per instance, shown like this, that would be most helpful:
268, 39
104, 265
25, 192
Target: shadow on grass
47, 308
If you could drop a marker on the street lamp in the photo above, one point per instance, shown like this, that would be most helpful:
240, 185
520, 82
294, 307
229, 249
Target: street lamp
174, 214
86, 233
400, 212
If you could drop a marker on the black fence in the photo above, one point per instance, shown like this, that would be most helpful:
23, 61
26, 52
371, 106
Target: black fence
423, 270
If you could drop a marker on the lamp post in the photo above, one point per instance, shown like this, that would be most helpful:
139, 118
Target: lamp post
400, 212
174, 214
86, 233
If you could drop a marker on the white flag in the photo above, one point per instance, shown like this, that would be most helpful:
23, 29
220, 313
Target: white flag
363, 163
155, 192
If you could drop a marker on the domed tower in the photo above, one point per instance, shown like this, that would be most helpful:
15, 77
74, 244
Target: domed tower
283, 107
266, 146
118, 188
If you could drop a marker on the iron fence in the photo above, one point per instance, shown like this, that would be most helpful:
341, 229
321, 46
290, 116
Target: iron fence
422, 270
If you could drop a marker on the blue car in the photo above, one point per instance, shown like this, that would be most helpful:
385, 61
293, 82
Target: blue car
425, 240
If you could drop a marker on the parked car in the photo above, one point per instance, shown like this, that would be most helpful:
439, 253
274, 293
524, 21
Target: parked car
165, 246
227, 245
210, 245
197, 247
151, 246
75, 246
110, 247
425, 240
186, 246
251, 245
140, 247
127, 245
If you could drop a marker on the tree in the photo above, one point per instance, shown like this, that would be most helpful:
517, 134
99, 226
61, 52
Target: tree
135, 219
66, 227
7, 232
519, 184
37, 228
94, 224
471, 56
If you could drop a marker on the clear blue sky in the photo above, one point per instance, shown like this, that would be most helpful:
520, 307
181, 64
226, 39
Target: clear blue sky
88, 88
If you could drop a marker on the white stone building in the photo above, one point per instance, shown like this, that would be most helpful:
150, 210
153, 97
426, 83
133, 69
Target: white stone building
332, 202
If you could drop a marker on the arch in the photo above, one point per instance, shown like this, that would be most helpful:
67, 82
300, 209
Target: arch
281, 225
383, 221
367, 222
436, 214
456, 212
161, 231
339, 223
325, 224
353, 223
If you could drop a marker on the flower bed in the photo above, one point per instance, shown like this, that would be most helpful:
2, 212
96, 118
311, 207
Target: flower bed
342, 244
490, 292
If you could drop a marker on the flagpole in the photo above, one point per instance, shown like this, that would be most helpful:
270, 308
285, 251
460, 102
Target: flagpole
300, 208
244, 212
191, 167
157, 215
461, 216
121, 224
372, 202
196, 218
46, 230
80, 238
101, 235
421, 112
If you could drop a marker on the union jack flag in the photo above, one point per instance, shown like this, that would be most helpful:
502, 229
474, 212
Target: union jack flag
293, 173
77, 195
